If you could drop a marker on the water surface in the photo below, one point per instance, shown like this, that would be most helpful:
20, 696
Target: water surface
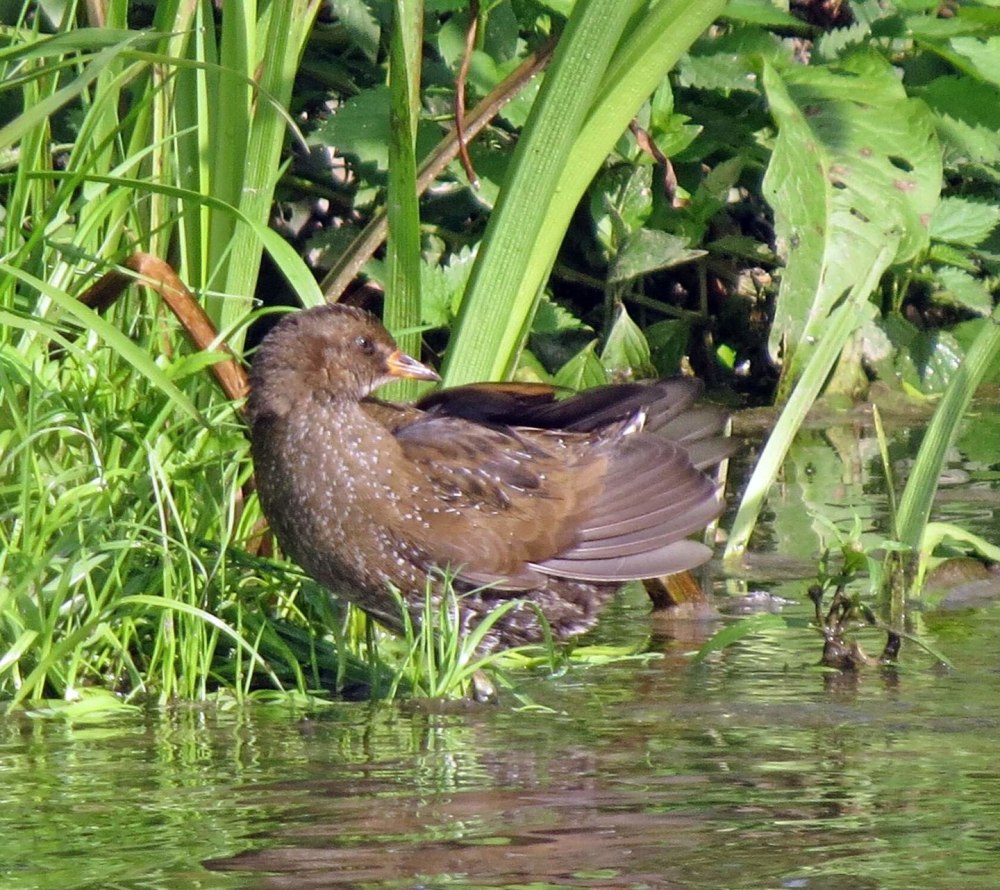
753, 769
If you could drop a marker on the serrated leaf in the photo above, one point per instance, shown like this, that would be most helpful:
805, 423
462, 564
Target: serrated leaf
360, 24
731, 61
360, 127
968, 118
983, 55
961, 221
551, 318
831, 44
583, 371
952, 256
441, 287
965, 290
648, 250
964, 98
626, 351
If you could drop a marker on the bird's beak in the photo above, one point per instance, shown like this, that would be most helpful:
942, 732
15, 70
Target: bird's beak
399, 364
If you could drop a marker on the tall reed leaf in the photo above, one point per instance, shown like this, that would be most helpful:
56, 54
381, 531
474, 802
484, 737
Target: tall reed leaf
610, 58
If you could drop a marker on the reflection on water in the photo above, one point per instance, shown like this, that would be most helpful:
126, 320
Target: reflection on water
754, 769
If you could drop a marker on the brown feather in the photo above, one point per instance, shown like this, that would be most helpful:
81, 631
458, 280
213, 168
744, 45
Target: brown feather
505, 485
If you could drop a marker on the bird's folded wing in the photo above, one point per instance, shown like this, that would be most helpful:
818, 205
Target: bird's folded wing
493, 501
510, 505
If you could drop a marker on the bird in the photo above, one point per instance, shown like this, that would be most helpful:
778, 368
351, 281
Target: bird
510, 490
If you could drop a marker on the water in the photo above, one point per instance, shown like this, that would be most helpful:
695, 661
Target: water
753, 769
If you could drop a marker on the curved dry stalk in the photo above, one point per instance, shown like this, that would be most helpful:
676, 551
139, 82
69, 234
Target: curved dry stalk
346, 269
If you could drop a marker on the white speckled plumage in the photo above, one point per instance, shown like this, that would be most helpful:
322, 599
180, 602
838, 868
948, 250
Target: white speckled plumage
559, 510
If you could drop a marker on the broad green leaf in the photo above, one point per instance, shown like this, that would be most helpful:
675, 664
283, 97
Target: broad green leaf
358, 21
668, 341
963, 289
962, 221
856, 166
983, 55
648, 250
360, 128
626, 350
731, 62
966, 333
441, 287
968, 118
584, 371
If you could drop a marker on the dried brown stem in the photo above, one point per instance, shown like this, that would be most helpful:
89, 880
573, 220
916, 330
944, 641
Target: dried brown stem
460, 81
339, 278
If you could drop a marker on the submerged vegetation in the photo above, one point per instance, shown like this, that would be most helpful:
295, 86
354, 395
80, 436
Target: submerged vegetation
792, 205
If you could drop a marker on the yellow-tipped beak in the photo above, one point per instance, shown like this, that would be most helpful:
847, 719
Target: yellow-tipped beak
399, 364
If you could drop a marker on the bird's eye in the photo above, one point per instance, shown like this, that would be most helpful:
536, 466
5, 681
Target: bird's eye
365, 344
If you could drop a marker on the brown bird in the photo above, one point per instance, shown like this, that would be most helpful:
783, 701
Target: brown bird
515, 492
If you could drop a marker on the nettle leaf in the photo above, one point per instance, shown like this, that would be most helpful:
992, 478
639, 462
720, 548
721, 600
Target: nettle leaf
731, 62
360, 128
962, 221
856, 167
649, 250
362, 27
551, 318
963, 289
441, 287
832, 44
626, 352
583, 371
951, 256
968, 118
983, 55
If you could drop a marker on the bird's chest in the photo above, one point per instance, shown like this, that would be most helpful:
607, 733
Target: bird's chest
331, 489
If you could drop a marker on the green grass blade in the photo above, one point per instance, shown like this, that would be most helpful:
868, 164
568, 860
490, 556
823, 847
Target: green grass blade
918, 495
500, 296
402, 303
116, 339
550, 172
843, 322
289, 23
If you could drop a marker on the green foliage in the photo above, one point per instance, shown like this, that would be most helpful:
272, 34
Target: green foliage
852, 171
